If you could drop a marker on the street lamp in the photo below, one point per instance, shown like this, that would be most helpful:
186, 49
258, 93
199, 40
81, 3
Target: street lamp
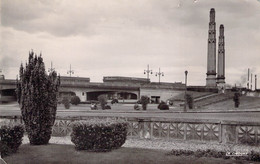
148, 71
185, 95
70, 71
159, 74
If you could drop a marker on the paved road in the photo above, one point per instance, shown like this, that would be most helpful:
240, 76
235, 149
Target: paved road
127, 111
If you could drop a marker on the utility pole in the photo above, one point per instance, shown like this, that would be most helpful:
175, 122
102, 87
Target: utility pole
70, 71
148, 71
159, 74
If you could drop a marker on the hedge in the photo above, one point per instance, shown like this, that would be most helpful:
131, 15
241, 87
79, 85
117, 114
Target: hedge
11, 138
99, 135
75, 100
163, 106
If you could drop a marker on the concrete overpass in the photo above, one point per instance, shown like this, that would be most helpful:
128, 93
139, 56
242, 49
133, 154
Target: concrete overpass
123, 88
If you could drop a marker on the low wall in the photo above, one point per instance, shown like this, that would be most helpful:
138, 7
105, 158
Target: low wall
233, 132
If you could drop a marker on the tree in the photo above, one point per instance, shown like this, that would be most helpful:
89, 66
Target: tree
144, 101
103, 101
75, 100
37, 95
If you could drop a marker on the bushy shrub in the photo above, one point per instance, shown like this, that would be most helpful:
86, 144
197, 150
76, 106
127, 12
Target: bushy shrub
99, 134
107, 107
144, 101
37, 95
190, 101
163, 106
136, 107
114, 101
66, 102
236, 99
102, 100
75, 100
11, 138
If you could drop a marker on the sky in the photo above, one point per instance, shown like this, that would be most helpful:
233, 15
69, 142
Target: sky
121, 37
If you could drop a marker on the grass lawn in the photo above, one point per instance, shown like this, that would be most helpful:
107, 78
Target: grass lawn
66, 154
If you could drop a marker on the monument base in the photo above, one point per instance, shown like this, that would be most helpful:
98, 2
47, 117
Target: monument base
211, 81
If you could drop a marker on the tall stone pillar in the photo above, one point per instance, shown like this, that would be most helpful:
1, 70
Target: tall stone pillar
211, 65
221, 57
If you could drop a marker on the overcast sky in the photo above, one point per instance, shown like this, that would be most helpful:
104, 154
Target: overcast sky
121, 37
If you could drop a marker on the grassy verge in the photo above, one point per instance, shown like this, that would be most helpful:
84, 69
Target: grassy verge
54, 153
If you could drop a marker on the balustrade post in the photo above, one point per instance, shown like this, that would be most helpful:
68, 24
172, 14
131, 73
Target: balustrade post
168, 131
141, 128
256, 135
220, 133
202, 132
185, 131
151, 130
160, 130
236, 134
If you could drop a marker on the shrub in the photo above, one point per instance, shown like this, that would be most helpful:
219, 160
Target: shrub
66, 102
103, 101
236, 99
107, 107
114, 101
190, 101
11, 138
75, 100
99, 134
144, 101
136, 107
37, 95
163, 106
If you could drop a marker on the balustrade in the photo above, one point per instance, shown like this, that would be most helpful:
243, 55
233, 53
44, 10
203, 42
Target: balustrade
155, 128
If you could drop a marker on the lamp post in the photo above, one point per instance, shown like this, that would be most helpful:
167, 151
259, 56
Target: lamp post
148, 71
185, 95
159, 74
70, 71
51, 69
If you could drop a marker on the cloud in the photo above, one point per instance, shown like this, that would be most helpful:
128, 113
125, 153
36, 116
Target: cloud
102, 38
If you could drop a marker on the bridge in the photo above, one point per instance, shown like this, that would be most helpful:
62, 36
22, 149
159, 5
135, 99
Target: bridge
125, 89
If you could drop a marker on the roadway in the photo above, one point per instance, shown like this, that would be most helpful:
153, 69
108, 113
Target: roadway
122, 110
